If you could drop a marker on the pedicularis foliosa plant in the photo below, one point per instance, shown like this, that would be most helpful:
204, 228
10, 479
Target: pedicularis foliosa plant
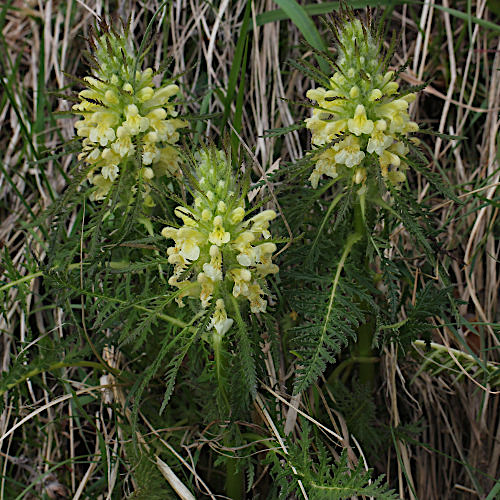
174, 263
351, 295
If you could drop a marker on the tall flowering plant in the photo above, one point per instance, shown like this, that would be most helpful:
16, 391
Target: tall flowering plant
222, 255
362, 148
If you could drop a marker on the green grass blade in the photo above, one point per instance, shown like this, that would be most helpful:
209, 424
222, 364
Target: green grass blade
237, 64
238, 115
320, 8
494, 492
304, 23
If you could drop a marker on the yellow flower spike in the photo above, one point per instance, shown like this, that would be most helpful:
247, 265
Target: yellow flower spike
216, 249
358, 116
125, 114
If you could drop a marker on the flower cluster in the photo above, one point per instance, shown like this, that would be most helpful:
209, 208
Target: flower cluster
217, 251
360, 114
124, 115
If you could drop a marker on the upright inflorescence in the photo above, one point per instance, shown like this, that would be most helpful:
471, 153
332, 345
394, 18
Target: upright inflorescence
360, 120
127, 120
218, 252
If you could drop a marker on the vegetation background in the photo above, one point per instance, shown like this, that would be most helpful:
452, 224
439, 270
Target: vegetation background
57, 432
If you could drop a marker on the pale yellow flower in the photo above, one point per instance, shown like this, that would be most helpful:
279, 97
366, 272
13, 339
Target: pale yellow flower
254, 295
360, 124
349, 152
241, 278
378, 141
325, 165
220, 321
219, 236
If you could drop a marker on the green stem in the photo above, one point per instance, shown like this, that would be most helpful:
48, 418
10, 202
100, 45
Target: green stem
365, 339
365, 331
219, 369
234, 477
28, 277
348, 362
